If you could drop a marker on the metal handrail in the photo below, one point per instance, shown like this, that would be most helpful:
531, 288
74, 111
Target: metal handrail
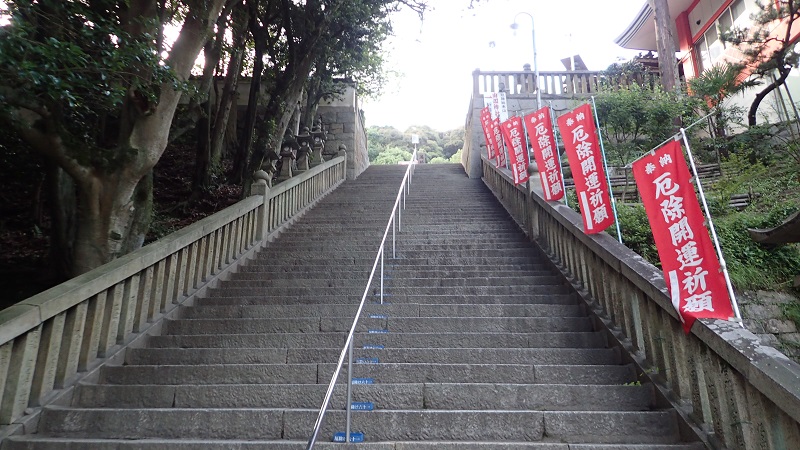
347, 350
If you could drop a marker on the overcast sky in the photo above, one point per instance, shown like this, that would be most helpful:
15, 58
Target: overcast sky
436, 57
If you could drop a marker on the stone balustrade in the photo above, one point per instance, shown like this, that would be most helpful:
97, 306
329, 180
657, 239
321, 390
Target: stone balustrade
731, 390
561, 85
52, 339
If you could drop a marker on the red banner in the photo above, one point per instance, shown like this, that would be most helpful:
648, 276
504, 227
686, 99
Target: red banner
498, 143
514, 136
691, 269
540, 131
486, 124
586, 162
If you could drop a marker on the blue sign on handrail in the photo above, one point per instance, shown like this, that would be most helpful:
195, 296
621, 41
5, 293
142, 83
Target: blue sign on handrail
378, 316
373, 347
367, 361
354, 437
362, 406
378, 331
363, 381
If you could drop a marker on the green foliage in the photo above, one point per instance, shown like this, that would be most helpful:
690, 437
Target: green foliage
791, 311
622, 73
752, 265
637, 233
392, 155
73, 65
712, 88
717, 83
635, 119
435, 145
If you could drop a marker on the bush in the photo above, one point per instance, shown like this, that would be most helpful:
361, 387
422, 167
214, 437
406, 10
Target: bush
750, 264
636, 232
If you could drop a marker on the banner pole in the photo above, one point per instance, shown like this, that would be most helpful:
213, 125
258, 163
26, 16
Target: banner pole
674, 137
556, 134
608, 179
722, 263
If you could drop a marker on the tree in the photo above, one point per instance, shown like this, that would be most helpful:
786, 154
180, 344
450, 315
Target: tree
767, 48
294, 35
635, 119
392, 155
84, 84
713, 87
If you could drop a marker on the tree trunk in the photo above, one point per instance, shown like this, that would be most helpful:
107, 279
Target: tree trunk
142, 216
115, 207
229, 99
64, 215
201, 178
776, 83
665, 44
280, 106
246, 139
240, 162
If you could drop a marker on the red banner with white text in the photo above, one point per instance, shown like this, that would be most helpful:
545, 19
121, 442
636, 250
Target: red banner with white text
586, 163
486, 124
498, 143
514, 136
691, 268
540, 132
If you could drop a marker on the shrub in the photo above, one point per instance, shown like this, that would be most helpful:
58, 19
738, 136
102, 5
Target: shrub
636, 231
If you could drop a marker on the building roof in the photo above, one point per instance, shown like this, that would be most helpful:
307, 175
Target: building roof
641, 33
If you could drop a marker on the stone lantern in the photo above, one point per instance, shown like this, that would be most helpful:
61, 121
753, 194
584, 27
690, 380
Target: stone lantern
318, 136
288, 155
305, 140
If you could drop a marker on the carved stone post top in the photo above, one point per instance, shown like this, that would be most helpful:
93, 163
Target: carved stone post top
261, 184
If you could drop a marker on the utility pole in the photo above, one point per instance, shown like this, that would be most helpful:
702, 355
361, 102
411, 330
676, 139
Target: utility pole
665, 45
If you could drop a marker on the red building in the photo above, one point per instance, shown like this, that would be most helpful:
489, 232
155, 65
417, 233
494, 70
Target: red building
697, 25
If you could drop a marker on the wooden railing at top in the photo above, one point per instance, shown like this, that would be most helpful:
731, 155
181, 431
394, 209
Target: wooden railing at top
738, 393
568, 84
48, 340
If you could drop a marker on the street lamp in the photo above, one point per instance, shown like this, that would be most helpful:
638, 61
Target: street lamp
514, 26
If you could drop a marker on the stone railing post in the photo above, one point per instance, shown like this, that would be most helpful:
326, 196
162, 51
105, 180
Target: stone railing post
260, 187
343, 154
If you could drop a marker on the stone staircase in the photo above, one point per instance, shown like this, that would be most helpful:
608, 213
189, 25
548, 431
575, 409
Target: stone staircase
479, 344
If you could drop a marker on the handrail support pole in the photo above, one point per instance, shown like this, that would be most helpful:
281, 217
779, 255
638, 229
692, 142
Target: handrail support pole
349, 405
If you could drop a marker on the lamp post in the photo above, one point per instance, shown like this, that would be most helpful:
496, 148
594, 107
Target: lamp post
514, 26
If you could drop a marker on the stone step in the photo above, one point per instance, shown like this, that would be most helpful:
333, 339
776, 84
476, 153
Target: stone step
382, 373
260, 297
587, 339
247, 281
159, 356
392, 265
357, 291
392, 310
381, 425
280, 255
403, 243
37, 442
390, 270
437, 396
366, 261
393, 324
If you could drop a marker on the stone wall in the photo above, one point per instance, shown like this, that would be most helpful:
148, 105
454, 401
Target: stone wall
344, 125
763, 315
